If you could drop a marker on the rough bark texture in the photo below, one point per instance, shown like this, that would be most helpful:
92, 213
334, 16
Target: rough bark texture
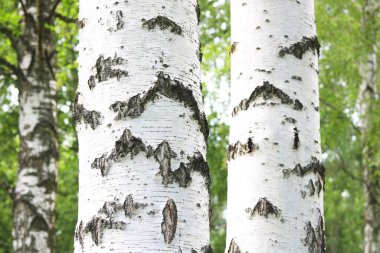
141, 129
275, 179
369, 110
34, 199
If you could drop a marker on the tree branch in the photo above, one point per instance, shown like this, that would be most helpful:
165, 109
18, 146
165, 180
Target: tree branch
8, 33
14, 69
66, 19
23, 7
52, 12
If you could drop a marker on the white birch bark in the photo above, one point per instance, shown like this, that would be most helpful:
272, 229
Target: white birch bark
143, 181
275, 178
369, 110
35, 191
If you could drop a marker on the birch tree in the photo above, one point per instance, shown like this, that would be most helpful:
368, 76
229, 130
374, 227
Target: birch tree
275, 175
369, 108
143, 181
34, 194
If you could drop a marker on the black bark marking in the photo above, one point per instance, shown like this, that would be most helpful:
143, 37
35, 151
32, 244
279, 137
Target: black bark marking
319, 186
98, 224
92, 118
130, 207
39, 224
126, 145
264, 71
234, 248
163, 23
263, 208
313, 167
79, 233
300, 48
296, 143
182, 176
267, 91
298, 78
167, 87
290, 120
198, 11
120, 22
204, 249
233, 47
169, 223
163, 155
198, 163
105, 69
311, 188
200, 54
315, 237
80, 24
240, 149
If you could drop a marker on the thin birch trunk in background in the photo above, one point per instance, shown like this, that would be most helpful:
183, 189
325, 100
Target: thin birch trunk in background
143, 180
35, 191
369, 110
275, 176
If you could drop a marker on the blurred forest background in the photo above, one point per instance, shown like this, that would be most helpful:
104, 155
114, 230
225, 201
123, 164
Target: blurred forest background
340, 32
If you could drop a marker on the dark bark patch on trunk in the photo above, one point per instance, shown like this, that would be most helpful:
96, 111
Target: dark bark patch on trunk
167, 87
313, 167
298, 78
289, 120
264, 71
198, 163
267, 91
198, 11
120, 22
264, 208
300, 48
233, 47
182, 176
79, 233
92, 118
315, 237
163, 155
234, 248
126, 145
163, 23
204, 249
130, 207
319, 186
105, 70
98, 224
311, 188
199, 52
39, 224
80, 23
296, 143
169, 223
240, 149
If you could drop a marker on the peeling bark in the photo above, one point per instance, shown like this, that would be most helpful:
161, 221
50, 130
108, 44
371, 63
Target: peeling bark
300, 48
169, 223
267, 91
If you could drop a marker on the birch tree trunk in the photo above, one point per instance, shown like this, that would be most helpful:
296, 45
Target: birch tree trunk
275, 177
34, 198
143, 181
369, 109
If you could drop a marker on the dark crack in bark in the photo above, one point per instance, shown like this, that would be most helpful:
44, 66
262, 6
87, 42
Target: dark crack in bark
313, 167
169, 223
163, 23
311, 188
267, 91
163, 155
98, 224
296, 142
105, 70
264, 208
167, 87
315, 237
240, 149
233, 248
300, 48
79, 233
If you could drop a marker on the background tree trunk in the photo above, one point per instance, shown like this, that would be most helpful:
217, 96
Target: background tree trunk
143, 181
275, 178
369, 110
34, 198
